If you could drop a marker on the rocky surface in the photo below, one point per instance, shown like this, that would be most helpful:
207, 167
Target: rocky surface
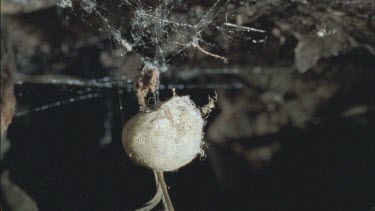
7, 99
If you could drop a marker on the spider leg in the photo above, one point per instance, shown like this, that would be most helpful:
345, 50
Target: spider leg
215, 96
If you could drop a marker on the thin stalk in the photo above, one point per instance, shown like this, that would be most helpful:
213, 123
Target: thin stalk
164, 187
156, 199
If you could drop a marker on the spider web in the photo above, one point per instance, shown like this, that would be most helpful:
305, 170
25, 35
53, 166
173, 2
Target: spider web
161, 30
156, 31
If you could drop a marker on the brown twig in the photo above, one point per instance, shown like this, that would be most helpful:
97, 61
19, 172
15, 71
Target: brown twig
196, 45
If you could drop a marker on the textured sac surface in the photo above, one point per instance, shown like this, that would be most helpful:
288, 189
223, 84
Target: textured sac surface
167, 138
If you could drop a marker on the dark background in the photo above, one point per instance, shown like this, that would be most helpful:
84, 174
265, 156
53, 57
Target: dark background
56, 157
325, 159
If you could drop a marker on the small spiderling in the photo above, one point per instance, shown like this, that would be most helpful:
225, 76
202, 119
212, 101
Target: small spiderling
207, 109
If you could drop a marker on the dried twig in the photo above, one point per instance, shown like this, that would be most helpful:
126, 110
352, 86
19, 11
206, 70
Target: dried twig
195, 44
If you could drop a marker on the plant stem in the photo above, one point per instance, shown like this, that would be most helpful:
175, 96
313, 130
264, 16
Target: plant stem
164, 187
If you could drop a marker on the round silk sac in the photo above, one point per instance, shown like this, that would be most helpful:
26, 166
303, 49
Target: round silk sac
167, 138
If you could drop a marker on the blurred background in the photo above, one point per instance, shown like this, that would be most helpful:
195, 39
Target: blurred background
293, 127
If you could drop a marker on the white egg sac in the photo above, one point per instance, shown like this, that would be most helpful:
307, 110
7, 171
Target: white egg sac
167, 138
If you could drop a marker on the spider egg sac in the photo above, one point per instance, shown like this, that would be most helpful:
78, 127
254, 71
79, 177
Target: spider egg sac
167, 138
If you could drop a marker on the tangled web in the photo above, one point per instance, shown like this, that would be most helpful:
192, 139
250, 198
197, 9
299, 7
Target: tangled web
159, 31
169, 33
